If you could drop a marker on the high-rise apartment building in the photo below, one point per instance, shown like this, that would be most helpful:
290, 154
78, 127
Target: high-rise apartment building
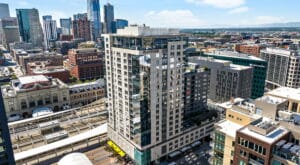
6, 151
283, 66
81, 27
9, 31
145, 79
4, 10
226, 79
93, 9
50, 30
66, 26
259, 68
121, 23
30, 27
109, 19
86, 64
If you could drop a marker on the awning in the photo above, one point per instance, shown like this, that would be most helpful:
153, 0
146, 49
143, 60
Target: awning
185, 148
116, 148
175, 153
196, 143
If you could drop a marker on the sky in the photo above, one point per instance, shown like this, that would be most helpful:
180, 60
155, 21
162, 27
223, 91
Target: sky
176, 13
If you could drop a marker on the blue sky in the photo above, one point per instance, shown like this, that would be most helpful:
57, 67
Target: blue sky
177, 13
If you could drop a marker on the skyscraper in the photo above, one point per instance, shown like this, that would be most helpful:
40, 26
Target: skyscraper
30, 27
66, 25
9, 31
4, 10
109, 18
6, 151
93, 8
50, 30
145, 79
121, 23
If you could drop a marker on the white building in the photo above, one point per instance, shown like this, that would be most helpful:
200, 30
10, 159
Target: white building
27, 93
145, 73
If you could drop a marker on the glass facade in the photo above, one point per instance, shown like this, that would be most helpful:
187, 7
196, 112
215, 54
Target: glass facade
29, 26
6, 152
109, 18
93, 8
121, 23
219, 144
142, 158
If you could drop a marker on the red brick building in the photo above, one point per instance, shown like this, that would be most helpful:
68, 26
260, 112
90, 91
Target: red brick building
249, 49
254, 143
43, 68
86, 64
81, 29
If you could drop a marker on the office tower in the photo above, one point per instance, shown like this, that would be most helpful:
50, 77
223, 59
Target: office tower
50, 30
86, 63
145, 79
4, 10
6, 151
109, 18
259, 68
283, 66
121, 23
226, 79
81, 27
30, 27
66, 25
9, 30
93, 8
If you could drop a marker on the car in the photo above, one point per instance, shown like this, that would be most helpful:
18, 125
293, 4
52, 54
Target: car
14, 117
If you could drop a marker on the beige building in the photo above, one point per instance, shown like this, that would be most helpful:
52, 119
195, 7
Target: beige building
291, 94
82, 94
27, 93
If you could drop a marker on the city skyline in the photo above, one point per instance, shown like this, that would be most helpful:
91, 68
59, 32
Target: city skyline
178, 13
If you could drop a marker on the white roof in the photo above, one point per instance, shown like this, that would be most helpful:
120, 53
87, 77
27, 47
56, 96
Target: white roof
229, 128
71, 140
286, 92
32, 79
75, 159
270, 137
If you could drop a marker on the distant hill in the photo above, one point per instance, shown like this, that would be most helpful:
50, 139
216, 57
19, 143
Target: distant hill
288, 24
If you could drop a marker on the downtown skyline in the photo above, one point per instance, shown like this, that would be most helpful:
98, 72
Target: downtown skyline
177, 13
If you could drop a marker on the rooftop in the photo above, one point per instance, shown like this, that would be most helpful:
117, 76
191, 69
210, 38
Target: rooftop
234, 55
265, 130
146, 31
272, 100
228, 127
285, 92
33, 79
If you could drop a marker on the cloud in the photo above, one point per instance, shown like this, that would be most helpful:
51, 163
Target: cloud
269, 19
238, 10
173, 18
220, 3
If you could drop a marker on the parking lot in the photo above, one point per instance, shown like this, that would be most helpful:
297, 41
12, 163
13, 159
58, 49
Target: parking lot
197, 156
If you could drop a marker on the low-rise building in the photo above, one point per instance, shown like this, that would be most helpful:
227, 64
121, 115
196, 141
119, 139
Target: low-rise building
291, 94
82, 94
27, 93
43, 68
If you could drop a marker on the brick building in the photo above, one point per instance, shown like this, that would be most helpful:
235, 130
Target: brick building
86, 64
43, 68
249, 49
81, 28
